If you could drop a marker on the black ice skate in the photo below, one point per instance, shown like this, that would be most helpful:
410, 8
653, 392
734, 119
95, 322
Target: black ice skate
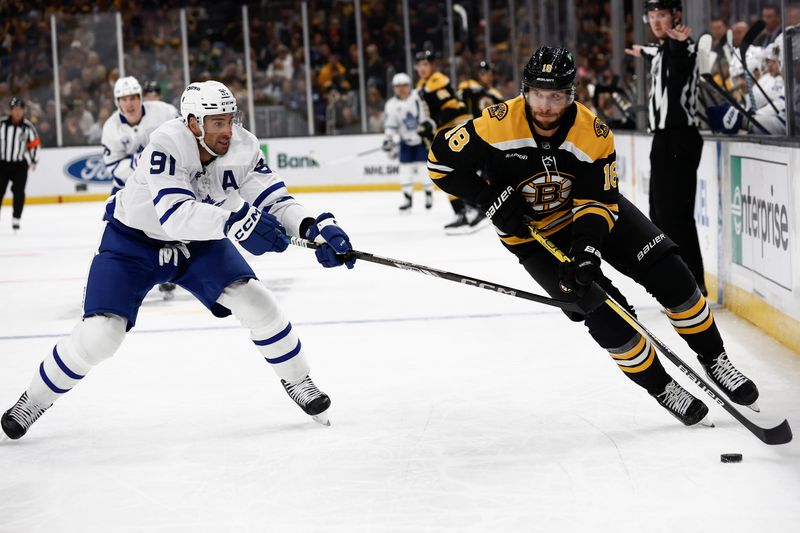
428, 199
736, 386
477, 219
310, 399
15, 224
459, 226
682, 405
16, 421
405, 207
167, 290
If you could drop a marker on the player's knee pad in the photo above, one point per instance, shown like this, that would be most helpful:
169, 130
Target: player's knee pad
254, 306
97, 337
670, 281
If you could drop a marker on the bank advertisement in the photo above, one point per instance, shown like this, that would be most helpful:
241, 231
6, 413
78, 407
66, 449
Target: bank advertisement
334, 161
761, 218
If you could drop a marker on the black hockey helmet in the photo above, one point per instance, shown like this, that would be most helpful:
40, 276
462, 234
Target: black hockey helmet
485, 66
16, 101
151, 86
550, 68
424, 55
652, 5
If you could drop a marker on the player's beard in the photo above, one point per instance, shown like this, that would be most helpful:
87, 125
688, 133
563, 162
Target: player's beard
552, 124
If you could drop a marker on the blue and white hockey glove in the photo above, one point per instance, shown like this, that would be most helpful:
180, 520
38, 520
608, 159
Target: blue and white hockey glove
335, 242
256, 231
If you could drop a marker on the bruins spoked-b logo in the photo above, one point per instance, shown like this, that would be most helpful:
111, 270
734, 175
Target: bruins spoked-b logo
498, 111
547, 192
600, 129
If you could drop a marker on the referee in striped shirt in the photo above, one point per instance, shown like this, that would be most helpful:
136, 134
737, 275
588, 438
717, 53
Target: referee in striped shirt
19, 148
677, 143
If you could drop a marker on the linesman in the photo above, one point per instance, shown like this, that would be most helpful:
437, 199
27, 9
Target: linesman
677, 143
19, 149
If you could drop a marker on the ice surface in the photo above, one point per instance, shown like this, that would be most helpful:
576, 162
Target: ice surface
454, 409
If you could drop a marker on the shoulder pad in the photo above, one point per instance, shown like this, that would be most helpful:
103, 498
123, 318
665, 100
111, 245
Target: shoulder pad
590, 136
436, 81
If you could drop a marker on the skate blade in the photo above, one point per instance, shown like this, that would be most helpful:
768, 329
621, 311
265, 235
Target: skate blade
754, 406
322, 418
706, 421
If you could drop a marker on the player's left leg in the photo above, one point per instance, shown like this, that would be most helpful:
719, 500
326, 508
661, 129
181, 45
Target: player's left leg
221, 279
275, 338
633, 354
639, 249
19, 181
420, 170
407, 170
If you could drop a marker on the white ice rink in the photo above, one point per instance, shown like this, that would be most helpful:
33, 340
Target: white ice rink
454, 409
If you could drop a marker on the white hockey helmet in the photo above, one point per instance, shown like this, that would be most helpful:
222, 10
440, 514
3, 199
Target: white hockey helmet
125, 87
204, 98
401, 78
754, 57
207, 98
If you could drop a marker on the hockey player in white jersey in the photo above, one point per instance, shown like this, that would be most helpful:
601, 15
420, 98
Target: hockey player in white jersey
403, 114
201, 179
125, 134
127, 131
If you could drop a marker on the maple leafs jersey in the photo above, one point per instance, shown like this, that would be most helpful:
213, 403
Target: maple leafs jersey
568, 179
401, 118
172, 196
122, 143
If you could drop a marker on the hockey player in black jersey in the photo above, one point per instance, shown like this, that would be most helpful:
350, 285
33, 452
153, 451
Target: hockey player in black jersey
445, 110
549, 163
677, 143
479, 94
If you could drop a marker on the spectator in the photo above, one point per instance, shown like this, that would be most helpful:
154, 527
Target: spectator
329, 71
772, 18
282, 67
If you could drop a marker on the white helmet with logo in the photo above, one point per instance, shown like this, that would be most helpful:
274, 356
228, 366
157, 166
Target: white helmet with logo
204, 98
401, 78
125, 87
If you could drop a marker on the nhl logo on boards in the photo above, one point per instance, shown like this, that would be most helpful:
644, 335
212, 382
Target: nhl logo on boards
600, 129
498, 111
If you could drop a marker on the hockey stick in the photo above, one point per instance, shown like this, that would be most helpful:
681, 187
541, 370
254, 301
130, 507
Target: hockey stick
709, 81
349, 158
755, 30
583, 305
780, 434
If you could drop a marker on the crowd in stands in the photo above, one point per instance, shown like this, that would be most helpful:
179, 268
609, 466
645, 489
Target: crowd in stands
88, 55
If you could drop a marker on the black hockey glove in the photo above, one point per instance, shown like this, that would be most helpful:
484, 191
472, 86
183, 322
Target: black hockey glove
426, 129
581, 271
507, 208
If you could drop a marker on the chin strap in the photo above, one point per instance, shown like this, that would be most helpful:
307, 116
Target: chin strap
202, 142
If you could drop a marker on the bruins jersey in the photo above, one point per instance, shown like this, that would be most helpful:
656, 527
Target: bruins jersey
477, 97
444, 107
568, 179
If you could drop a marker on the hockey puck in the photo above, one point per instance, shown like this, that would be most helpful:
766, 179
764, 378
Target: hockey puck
731, 458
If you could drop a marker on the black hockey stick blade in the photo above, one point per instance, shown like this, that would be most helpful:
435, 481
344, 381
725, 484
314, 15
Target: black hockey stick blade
780, 434
586, 304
